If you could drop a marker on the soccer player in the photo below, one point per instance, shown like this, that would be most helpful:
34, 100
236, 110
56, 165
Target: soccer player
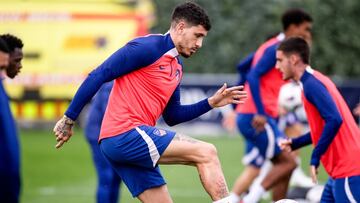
257, 117
9, 146
147, 72
333, 131
108, 181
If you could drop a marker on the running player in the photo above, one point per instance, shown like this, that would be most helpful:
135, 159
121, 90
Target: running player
147, 72
257, 117
333, 131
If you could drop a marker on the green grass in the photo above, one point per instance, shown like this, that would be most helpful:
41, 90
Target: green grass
67, 175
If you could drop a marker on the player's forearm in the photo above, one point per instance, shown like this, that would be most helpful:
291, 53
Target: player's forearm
301, 141
84, 94
175, 114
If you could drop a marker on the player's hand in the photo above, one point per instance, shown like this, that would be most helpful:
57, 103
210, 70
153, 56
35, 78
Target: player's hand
356, 111
224, 96
63, 130
285, 144
258, 122
313, 173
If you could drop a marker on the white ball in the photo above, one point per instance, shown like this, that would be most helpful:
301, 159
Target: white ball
290, 96
286, 201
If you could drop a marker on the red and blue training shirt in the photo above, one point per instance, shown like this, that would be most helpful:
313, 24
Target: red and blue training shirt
333, 131
263, 81
147, 73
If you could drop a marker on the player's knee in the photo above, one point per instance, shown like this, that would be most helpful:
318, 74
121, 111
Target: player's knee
208, 153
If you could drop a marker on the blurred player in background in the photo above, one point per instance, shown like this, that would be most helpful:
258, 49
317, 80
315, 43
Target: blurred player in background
147, 73
257, 117
293, 123
9, 146
108, 187
333, 131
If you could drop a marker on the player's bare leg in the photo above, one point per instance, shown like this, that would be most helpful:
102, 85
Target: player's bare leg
154, 195
280, 189
189, 151
283, 165
246, 178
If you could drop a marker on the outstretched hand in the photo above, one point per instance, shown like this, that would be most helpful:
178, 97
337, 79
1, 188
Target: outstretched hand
224, 96
63, 130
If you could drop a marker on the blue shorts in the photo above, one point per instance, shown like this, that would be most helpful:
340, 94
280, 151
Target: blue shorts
342, 190
134, 156
252, 155
259, 145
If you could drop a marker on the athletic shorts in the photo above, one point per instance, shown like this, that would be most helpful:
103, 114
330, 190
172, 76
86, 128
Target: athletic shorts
342, 190
259, 145
134, 156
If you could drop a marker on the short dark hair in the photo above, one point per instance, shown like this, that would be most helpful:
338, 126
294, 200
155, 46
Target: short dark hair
12, 41
3, 46
295, 16
192, 13
296, 45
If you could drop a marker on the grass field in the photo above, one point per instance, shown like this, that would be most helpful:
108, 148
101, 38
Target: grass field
67, 175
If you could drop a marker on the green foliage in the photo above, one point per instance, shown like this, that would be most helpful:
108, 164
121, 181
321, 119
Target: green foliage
239, 27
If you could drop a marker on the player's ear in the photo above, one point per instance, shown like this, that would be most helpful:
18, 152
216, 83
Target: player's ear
293, 59
180, 26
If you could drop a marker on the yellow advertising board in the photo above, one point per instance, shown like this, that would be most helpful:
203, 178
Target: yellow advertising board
63, 41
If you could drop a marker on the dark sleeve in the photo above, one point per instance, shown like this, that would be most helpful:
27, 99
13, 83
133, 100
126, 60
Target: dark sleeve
132, 56
264, 65
243, 68
318, 95
301, 141
176, 113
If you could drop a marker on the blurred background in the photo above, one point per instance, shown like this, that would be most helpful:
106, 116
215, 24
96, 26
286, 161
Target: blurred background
65, 39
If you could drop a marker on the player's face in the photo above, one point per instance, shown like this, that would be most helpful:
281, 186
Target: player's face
284, 65
15, 63
304, 30
191, 39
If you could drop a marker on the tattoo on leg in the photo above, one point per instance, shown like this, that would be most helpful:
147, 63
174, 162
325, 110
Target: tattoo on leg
223, 190
180, 137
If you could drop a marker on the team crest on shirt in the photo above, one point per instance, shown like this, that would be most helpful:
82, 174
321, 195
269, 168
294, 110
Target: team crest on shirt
159, 132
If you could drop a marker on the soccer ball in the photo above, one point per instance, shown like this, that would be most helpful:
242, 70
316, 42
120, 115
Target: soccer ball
290, 96
286, 201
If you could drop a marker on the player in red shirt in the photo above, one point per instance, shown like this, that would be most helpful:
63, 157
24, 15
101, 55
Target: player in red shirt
147, 72
333, 131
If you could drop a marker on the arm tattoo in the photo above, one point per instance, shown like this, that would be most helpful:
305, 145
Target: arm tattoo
180, 137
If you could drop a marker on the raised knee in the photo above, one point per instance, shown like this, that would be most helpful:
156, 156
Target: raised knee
209, 153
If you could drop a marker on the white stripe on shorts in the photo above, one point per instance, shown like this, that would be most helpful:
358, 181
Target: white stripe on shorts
249, 157
271, 141
154, 153
348, 191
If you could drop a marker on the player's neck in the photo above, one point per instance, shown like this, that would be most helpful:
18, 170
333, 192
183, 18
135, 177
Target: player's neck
299, 71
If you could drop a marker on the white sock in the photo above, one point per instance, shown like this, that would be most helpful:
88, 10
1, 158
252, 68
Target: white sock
255, 194
232, 198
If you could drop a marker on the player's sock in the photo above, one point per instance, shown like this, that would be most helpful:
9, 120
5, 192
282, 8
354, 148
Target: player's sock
255, 194
232, 198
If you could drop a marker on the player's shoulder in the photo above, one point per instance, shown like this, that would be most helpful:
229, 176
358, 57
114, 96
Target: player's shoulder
153, 45
154, 41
